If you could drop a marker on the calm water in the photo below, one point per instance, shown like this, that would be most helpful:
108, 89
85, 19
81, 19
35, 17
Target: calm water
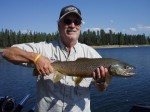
120, 96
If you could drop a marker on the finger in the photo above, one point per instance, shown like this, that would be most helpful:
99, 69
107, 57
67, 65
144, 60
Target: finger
42, 71
39, 72
102, 72
39, 69
46, 70
51, 69
98, 74
93, 74
106, 70
44, 74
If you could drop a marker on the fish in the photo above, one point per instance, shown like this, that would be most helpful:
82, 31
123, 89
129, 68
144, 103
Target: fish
84, 67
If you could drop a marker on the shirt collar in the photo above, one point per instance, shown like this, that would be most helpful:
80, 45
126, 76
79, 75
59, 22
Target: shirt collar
62, 46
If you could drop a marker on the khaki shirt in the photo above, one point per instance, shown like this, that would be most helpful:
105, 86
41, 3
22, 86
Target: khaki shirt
63, 95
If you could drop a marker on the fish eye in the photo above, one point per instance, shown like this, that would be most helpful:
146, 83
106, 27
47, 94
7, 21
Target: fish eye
127, 67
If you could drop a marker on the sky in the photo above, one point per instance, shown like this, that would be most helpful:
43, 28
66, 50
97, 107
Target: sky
126, 16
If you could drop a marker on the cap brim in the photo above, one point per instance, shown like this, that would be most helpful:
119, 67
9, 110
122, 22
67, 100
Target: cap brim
70, 13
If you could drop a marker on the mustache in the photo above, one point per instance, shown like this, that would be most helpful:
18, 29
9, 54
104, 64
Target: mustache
71, 30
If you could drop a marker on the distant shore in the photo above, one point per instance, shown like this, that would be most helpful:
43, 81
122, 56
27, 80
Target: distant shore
117, 46
106, 46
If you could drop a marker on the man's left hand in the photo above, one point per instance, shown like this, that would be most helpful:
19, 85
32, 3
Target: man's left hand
100, 73
99, 76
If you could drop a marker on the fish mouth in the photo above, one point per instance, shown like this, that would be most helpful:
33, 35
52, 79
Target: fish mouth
128, 73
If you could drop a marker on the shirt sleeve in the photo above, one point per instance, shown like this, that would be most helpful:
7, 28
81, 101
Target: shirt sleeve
32, 47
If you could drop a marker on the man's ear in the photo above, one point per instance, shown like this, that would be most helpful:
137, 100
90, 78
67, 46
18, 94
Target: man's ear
58, 25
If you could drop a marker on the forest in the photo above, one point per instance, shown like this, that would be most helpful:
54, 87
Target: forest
9, 37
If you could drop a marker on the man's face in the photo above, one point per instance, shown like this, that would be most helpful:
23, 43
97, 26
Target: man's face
69, 28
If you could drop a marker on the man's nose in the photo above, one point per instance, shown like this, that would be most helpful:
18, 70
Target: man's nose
72, 24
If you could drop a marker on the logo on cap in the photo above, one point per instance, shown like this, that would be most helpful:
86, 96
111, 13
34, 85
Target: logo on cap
71, 9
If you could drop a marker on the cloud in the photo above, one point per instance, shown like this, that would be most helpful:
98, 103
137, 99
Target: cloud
98, 29
112, 29
26, 31
140, 28
132, 29
93, 29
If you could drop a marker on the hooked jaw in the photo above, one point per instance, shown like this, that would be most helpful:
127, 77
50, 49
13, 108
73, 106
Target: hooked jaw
124, 71
127, 72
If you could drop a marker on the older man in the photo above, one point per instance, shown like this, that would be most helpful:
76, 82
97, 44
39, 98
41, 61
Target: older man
63, 95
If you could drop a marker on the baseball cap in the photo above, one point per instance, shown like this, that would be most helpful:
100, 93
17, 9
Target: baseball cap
69, 9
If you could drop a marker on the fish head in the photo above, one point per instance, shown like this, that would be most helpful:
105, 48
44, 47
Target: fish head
121, 69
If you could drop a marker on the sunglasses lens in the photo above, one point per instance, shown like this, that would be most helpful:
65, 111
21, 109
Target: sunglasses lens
69, 21
77, 22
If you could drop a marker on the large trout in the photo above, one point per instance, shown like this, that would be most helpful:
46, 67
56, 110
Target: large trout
84, 67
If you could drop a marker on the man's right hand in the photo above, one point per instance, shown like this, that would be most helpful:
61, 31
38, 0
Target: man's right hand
43, 66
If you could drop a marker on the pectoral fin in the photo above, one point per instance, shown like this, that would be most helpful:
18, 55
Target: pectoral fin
57, 77
78, 80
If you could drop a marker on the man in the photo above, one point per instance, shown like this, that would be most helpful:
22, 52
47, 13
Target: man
64, 95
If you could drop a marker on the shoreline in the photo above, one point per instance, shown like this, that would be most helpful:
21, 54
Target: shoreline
118, 46
106, 46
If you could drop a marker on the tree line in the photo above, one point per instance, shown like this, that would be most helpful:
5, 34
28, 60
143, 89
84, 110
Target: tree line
97, 38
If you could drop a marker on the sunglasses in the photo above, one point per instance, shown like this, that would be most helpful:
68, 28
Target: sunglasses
75, 21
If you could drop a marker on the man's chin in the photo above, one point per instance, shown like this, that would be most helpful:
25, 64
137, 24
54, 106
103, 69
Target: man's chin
72, 36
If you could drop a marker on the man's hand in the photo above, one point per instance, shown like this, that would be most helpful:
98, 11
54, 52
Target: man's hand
43, 66
100, 73
99, 76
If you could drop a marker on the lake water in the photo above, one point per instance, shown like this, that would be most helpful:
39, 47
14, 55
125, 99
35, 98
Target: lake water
120, 96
